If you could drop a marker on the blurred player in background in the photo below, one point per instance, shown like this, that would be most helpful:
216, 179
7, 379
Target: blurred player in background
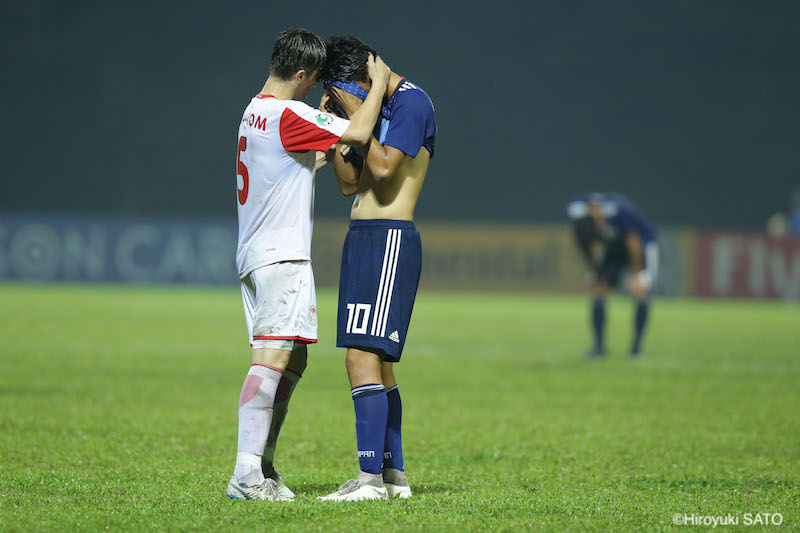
794, 215
381, 259
618, 245
781, 225
280, 138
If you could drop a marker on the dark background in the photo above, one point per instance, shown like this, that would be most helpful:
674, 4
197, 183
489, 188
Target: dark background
688, 107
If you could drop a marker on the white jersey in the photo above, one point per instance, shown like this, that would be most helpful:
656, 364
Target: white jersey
275, 166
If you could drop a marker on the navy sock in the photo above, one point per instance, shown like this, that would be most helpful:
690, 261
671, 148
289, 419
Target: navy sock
393, 449
371, 412
640, 323
598, 321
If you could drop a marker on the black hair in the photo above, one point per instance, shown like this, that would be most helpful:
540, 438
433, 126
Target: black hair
346, 59
296, 49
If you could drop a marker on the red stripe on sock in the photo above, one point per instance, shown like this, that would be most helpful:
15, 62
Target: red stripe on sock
293, 371
250, 388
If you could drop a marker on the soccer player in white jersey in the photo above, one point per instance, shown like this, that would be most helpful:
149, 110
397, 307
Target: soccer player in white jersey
281, 140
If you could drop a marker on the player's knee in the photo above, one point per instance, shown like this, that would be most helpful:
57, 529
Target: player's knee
387, 374
363, 364
271, 357
354, 362
599, 290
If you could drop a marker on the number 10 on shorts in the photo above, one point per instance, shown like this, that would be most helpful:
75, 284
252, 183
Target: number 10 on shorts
357, 318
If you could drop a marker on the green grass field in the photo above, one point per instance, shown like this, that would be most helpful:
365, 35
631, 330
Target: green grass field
118, 411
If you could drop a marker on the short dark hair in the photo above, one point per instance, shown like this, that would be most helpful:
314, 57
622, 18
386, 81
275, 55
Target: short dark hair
346, 58
296, 49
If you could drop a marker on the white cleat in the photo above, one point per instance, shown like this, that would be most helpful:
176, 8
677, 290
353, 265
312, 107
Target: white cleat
356, 490
396, 483
266, 490
282, 492
400, 491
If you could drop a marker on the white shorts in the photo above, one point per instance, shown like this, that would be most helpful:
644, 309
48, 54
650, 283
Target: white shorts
651, 265
649, 274
280, 305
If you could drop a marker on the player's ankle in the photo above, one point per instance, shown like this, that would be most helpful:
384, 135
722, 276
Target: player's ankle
394, 476
375, 480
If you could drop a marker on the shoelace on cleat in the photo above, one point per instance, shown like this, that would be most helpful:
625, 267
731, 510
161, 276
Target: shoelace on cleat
269, 486
349, 486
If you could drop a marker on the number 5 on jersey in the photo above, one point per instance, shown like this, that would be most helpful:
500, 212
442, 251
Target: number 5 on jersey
357, 318
241, 170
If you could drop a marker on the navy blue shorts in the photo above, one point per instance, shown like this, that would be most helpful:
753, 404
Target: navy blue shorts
381, 263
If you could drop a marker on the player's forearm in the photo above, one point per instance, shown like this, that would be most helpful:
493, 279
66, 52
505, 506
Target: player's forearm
322, 160
363, 119
347, 189
377, 159
346, 169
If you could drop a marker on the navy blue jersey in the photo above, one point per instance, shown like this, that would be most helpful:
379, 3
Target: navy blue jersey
622, 217
794, 223
412, 121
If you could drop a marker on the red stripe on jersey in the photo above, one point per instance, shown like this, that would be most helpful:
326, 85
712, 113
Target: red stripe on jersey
259, 95
301, 340
298, 135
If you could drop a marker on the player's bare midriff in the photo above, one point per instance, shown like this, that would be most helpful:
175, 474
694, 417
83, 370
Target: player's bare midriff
394, 198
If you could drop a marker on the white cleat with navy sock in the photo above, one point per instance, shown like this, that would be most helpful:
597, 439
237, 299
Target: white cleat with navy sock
365, 487
396, 483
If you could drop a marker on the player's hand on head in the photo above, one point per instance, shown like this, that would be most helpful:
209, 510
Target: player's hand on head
328, 105
325, 102
377, 70
347, 101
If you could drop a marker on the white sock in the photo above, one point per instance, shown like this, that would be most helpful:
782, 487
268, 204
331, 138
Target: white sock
255, 416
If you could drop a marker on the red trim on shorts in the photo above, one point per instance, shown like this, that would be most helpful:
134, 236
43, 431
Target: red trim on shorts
295, 372
275, 368
301, 340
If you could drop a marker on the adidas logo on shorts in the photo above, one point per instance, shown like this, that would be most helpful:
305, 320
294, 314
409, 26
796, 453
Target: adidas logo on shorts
395, 337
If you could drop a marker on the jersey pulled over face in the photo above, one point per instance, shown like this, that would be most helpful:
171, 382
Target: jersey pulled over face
275, 167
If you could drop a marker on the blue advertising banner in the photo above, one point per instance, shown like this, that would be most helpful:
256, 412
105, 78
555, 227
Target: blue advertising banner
201, 250
141, 249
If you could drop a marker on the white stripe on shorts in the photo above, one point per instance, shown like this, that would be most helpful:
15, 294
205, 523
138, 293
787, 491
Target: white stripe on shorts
384, 297
391, 285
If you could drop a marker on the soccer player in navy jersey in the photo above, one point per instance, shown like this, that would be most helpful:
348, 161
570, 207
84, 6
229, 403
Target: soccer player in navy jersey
615, 239
381, 259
